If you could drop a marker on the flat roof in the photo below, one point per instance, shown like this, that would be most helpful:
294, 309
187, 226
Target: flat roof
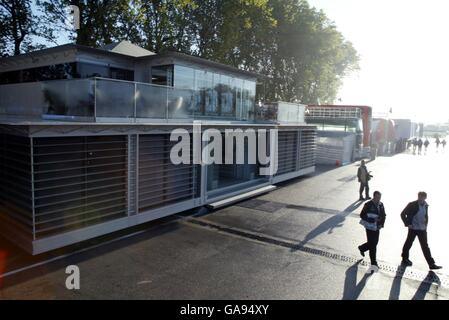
201, 61
128, 48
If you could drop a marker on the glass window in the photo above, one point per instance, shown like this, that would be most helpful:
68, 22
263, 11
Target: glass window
122, 74
88, 70
199, 91
226, 96
162, 75
238, 91
221, 176
51, 72
211, 94
184, 77
10, 77
248, 99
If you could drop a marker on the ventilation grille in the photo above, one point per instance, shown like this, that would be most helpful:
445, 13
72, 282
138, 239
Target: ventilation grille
315, 112
307, 153
160, 181
78, 182
16, 209
287, 151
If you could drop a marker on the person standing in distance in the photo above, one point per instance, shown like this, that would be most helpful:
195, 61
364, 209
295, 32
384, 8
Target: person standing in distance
363, 176
373, 219
416, 218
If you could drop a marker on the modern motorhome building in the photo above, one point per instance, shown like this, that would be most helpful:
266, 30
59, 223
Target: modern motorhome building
85, 140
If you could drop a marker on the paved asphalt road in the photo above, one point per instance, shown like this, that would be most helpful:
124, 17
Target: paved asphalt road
297, 242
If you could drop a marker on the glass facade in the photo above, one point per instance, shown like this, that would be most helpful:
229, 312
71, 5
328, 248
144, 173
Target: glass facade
52, 72
72, 70
211, 94
225, 177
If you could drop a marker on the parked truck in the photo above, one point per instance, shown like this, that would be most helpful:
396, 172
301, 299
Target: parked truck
344, 131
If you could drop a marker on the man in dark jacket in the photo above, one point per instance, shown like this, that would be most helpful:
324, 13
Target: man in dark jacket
416, 218
363, 176
373, 219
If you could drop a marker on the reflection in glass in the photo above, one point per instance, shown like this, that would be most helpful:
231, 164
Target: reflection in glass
180, 103
184, 77
226, 175
69, 98
226, 97
114, 99
88, 70
151, 101
162, 75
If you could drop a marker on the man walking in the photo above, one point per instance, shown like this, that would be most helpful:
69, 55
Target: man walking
416, 217
363, 176
426, 145
437, 142
420, 143
373, 219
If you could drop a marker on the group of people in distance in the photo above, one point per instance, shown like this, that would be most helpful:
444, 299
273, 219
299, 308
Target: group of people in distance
415, 217
419, 143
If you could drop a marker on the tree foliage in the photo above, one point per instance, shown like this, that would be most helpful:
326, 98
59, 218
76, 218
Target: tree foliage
298, 50
16, 26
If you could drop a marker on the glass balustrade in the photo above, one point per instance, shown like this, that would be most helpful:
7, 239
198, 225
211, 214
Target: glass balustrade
100, 98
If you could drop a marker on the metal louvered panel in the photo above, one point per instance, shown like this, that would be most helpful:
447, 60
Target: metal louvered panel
307, 149
16, 206
160, 181
287, 151
78, 182
132, 178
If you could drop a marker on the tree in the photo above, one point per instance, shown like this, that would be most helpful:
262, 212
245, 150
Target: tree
15, 25
300, 52
309, 57
101, 21
166, 24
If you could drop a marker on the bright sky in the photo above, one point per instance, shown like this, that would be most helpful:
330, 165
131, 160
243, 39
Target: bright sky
404, 51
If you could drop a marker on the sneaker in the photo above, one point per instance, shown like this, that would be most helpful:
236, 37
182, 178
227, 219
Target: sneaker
435, 267
361, 252
361, 199
407, 262
368, 198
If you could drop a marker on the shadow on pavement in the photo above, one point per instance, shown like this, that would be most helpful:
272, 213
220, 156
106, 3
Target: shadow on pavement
17, 258
425, 286
336, 221
319, 169
352, 289
395, 290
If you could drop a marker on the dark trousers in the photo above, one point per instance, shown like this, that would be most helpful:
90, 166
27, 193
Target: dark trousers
371, 244
366, 187
422, 237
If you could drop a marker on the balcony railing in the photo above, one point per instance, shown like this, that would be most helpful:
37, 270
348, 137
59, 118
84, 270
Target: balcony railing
100, 99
